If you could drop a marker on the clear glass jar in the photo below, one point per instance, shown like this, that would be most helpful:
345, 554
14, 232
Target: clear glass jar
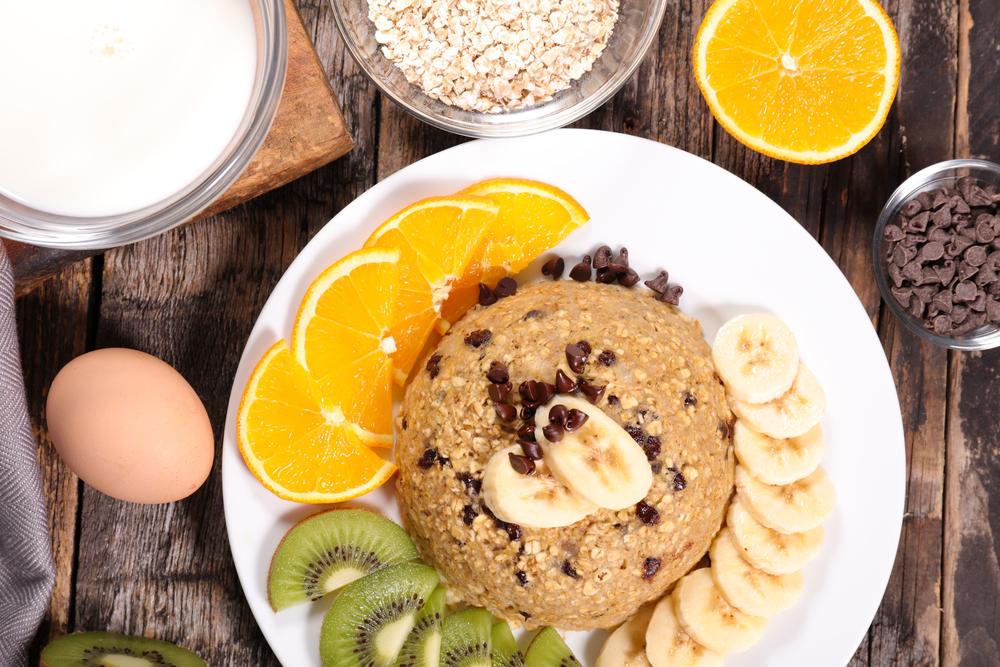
636, 30
940, 175
41, 228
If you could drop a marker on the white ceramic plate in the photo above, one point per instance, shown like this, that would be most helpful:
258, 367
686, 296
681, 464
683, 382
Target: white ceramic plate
734, 251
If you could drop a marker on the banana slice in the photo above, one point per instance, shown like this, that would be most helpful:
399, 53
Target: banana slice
792, 508
750, 590
775, 461
790, 415
711, 621
756, 356
626, 647
599, 460
667, 645
769, 550
538, 500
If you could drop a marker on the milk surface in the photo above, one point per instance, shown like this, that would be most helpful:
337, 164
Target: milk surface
108, 106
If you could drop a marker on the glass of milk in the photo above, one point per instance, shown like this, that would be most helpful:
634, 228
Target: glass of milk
122, 118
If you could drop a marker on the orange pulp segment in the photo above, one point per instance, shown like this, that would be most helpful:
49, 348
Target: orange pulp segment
342, 338
803, 81
291, 444
436, 238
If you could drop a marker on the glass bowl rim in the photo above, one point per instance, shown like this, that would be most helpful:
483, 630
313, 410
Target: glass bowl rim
516, 128
912, 185
43, 229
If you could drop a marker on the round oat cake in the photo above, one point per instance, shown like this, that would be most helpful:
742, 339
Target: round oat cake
660, 386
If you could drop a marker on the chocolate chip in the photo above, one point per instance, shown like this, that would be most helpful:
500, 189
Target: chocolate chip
679, 482
986, 228
505, 411
434, 365
585, 346
569, 571
558, 414
629, 278
606, 276
405, 423
690, 400
576, 357
613, 401
575, 419
528, 412
553, 432
535, 393
660, 283
498, 373
531, 449
651, 447
636, 432
469, 515
499, 392
513, 530
941, 217
976, 255
521, 464
919, 222
650, 567
942, 325
602, 257
993, 310
932, 252
672, 295
443, 461
911, 208
532, 315
622, 259
554, 268
487, 297
526, 432
647, 513
470, 483
506, 287
892, 233
945, 272
607, 357
965, 291
591, 391
428, 458
581, 272
564, 383
723, 429
522, 577
479, 337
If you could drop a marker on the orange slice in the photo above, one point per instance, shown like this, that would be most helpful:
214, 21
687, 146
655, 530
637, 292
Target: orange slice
436, 239
534, 217
293, 446
807, 82
342, 339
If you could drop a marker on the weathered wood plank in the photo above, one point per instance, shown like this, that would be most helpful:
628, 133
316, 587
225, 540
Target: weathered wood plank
971, 627
53, 326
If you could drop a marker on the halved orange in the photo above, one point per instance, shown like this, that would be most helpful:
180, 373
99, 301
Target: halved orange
807, 82
533, 218
295, 448
436, 239
342, 338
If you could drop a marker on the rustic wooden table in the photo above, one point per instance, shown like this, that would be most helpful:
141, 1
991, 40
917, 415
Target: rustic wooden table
191, 297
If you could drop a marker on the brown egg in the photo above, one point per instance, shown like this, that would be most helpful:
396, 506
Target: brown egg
130, 426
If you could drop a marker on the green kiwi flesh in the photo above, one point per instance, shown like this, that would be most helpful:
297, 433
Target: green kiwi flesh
108, 649
370, 619
505, 650
331, 549
423, 646
466, 639
548, 649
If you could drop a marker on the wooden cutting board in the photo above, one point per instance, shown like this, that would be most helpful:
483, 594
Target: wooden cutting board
308, 132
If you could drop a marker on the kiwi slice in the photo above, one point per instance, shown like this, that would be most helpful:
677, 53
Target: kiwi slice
505, 650
371, 618
466, 639
548, 649
331, 549
423, 646
109, 649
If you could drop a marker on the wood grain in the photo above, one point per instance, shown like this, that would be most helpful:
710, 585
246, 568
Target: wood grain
308, 132
971, 628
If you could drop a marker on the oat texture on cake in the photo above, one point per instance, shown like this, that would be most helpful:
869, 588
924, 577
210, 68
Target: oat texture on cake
659, 385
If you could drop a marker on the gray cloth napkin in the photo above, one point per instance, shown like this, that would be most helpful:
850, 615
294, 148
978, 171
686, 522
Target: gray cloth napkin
26, 569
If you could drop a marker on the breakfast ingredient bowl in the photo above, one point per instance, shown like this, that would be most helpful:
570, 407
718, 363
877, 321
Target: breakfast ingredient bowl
155, 134
943, 175
637, 26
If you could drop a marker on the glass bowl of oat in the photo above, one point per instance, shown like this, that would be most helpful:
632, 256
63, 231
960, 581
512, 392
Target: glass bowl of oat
936, 254
498, 68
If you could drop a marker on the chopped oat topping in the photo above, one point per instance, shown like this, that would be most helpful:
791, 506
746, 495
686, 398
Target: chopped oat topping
493, 55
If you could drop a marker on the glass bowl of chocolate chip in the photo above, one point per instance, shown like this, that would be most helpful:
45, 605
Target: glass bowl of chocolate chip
936, 253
